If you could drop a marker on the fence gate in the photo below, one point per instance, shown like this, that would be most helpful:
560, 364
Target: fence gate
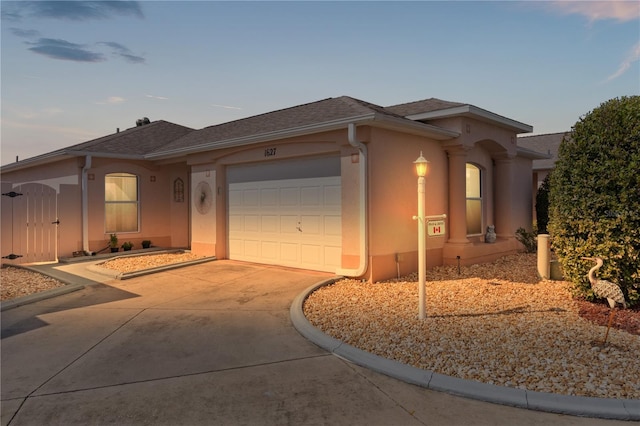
30, 212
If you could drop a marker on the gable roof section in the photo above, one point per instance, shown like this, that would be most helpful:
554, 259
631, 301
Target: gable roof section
419, 107
432, 109
132, 143
545, 144
324, 115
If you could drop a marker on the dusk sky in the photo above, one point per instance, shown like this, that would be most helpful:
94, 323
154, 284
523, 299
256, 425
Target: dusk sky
74, 71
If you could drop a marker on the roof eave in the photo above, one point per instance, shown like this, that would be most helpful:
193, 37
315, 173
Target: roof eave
415, 127
108, 155
39, 160
474, 112
262, 137
373, 118
534, 155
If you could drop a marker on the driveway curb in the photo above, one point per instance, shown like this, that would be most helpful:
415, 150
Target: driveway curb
605, 408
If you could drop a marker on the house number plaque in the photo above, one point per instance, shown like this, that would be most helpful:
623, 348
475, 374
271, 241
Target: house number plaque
270, 152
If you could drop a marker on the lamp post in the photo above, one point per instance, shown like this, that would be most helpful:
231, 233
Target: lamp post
421, 169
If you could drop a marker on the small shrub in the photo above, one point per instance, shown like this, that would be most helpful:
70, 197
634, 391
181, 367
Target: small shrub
528, 239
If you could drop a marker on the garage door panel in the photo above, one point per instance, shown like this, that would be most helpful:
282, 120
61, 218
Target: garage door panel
270, 223
311, 225
311, 254
333, 226
268, 197
251, 223
289, 224
289, 252
294, 222
235, 223
250, 198
311, 196
235, 198
251, 248
289, 196
332, 256
269, 250
333, 196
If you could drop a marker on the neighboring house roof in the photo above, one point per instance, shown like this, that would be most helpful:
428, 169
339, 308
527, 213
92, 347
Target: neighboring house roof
132, 143
323, 115
546, 144
432, 109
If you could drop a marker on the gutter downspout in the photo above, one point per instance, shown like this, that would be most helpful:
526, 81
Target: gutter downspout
364, 240
85, 203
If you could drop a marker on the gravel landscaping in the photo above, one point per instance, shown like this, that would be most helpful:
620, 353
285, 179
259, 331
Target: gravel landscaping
495, 323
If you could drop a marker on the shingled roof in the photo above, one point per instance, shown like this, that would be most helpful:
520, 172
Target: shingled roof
546, 144
425, 105
132, 143
311, 114
136, 141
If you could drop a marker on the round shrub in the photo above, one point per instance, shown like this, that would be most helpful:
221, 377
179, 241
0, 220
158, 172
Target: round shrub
595, 197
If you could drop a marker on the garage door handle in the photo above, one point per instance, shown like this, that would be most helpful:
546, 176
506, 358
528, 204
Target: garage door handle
57, 222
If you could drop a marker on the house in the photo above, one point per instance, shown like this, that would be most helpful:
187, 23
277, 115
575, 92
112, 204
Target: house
547, 144
328, 186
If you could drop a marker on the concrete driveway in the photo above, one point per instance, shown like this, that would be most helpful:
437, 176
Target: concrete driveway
205, 344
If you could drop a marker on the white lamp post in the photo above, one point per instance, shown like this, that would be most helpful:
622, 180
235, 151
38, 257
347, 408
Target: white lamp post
421, 169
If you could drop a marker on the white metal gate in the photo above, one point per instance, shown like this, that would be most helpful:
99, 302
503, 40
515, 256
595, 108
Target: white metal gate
29, 216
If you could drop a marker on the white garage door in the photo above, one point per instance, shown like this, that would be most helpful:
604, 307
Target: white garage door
288, 222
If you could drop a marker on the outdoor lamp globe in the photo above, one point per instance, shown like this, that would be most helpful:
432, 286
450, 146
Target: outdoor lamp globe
421, 166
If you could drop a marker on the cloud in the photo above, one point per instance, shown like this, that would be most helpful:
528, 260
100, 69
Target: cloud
64, 50
633, 56
18, 32
111, 100
72, 10
622, 11
157, 97
123, 52
115, 100
225, 106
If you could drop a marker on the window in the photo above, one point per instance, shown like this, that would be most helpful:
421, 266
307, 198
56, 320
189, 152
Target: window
178, 190
474, 200
121, 202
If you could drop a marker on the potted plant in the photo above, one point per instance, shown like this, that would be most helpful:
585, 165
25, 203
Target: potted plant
146, 244
113, 242
127, 246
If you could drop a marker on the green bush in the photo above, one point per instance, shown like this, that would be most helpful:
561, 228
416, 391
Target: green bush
595, 197
528, 239
542, 206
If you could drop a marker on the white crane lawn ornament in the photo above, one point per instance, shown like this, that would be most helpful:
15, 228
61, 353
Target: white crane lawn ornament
606, 290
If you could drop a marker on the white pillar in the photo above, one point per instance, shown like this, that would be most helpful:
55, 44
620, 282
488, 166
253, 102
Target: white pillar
544, 265
422, 252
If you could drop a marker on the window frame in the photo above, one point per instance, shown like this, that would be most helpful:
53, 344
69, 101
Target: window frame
122, 202
478, 198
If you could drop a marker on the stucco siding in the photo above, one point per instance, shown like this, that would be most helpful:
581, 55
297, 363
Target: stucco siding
393, 199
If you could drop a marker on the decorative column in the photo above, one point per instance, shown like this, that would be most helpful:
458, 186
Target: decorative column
457, 195
503, 197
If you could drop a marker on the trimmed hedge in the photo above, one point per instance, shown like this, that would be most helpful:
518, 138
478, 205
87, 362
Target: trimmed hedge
595, 197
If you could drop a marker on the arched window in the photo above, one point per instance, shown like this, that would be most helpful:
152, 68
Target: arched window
121, 203
474, 200
178, 190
